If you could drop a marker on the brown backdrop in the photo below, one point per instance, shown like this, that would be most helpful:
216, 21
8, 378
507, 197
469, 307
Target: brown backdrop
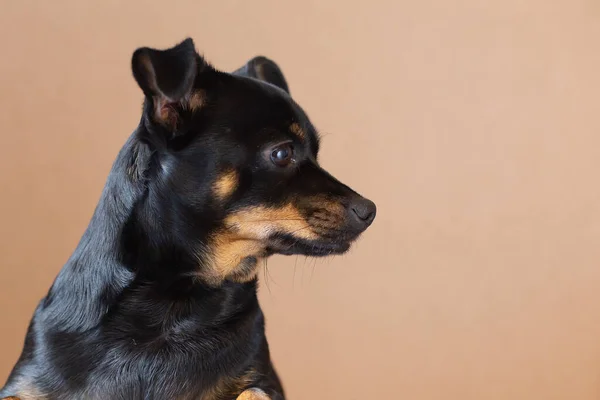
473, 125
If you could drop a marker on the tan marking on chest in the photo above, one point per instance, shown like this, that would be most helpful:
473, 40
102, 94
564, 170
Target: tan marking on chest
229, 388
253, 394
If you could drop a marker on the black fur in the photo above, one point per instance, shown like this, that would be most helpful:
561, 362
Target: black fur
129, 315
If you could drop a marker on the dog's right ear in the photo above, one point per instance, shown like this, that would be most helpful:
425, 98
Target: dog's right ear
167, 79
264, 69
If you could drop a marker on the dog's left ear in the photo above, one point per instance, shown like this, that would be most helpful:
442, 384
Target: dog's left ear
264, 69
167, 79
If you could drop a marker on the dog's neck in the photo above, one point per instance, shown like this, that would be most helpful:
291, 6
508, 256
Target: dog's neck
113, 259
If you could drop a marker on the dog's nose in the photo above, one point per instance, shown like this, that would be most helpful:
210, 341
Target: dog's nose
362, 212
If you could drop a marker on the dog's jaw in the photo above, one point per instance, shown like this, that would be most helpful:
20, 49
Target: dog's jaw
230, 257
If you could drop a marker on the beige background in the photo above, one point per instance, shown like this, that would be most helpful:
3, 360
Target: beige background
474, 125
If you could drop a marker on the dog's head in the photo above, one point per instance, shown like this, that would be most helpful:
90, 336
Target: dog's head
236, 175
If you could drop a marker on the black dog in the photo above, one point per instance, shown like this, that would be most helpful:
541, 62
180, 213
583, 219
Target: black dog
159, 300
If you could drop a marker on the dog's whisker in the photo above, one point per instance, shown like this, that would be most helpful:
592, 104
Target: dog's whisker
301, 229
273, 220
269, 272
266, 276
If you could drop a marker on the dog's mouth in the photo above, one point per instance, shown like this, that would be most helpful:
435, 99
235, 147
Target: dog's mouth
289, 245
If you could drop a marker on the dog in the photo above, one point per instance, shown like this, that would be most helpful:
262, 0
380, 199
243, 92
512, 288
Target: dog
159, 298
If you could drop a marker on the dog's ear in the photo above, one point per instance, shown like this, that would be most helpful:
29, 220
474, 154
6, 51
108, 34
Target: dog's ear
167, 79
264, 69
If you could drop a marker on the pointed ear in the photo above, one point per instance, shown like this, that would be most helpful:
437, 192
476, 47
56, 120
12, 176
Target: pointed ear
167, 79
264, 69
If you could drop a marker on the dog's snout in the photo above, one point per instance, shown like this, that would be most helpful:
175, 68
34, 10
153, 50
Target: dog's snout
362, 212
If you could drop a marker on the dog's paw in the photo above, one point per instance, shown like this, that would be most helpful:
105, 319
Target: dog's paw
253, 394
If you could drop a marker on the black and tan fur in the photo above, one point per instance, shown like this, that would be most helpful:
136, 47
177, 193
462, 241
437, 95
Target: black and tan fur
158, 300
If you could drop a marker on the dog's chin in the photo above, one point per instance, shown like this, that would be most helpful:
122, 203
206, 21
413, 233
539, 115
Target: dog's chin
288, 245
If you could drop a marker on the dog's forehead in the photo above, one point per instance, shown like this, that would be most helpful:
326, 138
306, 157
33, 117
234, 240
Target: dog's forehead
257, 110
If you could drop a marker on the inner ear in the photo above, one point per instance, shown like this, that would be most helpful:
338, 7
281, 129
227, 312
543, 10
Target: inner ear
264, 69
167, 78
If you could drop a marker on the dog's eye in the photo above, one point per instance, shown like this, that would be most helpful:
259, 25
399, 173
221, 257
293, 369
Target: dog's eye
283, 155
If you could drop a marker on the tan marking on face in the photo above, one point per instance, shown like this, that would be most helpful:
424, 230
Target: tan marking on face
245, 234
227, 261
259, 222
326, 214
297, 130
253, 394
328, 205
226, 184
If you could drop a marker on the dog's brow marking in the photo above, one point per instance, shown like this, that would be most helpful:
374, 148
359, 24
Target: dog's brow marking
253, 394
298, 131
226, 184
